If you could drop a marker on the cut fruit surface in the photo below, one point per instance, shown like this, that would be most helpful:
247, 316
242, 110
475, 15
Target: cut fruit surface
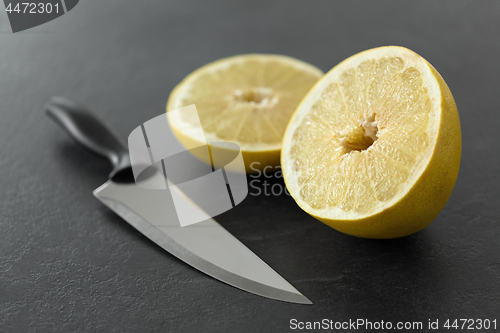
374, 148
245, 99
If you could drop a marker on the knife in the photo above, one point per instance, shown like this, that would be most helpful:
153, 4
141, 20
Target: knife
207, 246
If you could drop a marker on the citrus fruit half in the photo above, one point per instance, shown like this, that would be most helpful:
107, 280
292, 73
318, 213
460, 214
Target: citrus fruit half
244, 99
373, 150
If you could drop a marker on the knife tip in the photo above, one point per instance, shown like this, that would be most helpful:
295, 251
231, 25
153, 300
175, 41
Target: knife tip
304, 300
297, 298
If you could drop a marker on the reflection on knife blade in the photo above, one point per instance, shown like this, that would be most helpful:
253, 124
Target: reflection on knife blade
206, 246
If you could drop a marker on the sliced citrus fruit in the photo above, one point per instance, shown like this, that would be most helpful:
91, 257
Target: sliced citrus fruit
374, 148
244, 99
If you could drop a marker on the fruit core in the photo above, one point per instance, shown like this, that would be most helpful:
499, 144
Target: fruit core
260, 96
362, 137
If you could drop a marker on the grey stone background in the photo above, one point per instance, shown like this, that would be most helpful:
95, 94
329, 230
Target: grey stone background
67, 263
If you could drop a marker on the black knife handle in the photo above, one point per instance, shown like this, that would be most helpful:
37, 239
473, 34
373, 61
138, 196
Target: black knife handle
93, 133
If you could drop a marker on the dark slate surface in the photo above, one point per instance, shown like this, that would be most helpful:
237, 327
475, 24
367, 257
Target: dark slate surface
69, 264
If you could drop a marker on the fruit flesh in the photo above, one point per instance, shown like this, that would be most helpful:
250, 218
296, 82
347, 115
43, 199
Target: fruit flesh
245, 99
364, 138
249, 102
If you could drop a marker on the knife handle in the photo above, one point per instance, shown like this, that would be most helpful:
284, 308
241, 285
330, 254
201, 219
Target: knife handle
93, 133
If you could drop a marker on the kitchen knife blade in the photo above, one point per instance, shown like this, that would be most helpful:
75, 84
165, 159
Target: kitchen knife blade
206, 246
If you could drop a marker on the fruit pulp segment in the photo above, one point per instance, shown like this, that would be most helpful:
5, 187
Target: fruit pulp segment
251, 101
337, 162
